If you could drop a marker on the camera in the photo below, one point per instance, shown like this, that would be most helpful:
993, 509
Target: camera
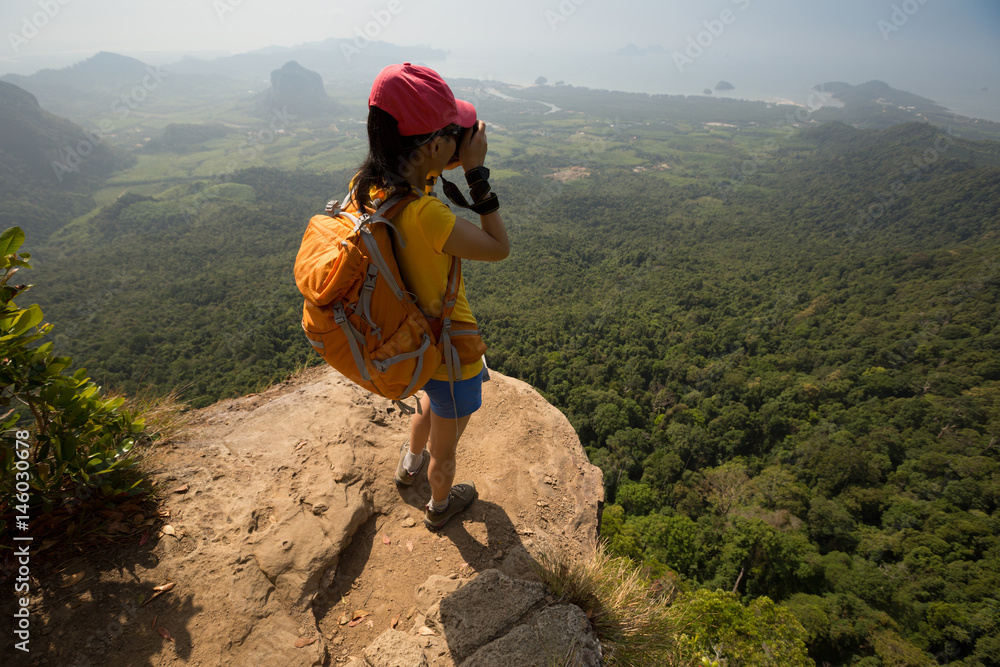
461, 137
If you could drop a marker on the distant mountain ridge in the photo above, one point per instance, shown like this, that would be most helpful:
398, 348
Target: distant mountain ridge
48, 165
875, 90
98, 75
104, 69
108, 85
331, 58
34, 139
876, 105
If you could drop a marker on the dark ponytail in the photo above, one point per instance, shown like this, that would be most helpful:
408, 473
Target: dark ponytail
389, 156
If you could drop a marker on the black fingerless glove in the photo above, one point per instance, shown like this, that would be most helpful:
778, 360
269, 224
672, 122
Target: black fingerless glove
484, 200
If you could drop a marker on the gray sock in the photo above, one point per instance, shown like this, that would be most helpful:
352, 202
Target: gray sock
412, 461
439, 506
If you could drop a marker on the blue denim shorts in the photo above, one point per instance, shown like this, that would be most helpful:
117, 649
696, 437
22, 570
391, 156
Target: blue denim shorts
468, 396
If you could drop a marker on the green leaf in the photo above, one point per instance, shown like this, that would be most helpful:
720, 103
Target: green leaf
114, 403
10, 240
8, 423
27, 319
43, 351
67, 450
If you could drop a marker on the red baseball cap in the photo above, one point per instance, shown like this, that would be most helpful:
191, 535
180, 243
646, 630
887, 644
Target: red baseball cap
419, 99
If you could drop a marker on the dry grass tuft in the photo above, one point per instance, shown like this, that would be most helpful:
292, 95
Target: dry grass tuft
633, 618
165, 415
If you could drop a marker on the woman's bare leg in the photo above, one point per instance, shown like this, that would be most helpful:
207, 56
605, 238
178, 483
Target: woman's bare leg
444, 436
420, 426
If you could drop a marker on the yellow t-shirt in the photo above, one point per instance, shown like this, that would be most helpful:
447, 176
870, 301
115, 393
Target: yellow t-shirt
424, 226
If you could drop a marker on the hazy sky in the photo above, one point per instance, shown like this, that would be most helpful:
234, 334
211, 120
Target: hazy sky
930, 47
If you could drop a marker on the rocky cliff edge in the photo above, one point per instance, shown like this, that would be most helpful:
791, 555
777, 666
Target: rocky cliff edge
290, 544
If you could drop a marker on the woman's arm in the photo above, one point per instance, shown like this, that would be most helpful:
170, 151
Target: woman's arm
487, 242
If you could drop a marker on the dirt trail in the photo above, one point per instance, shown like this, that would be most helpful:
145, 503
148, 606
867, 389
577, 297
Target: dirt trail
285, 516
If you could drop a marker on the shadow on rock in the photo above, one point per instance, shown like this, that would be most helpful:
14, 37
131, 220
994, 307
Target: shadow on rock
351, 566
503, 548
498, 621
502, 537
98, 609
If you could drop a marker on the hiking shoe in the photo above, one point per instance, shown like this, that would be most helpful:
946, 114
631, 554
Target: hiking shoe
460, 497
404, 476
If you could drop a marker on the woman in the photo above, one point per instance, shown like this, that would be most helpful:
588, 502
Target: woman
416, 130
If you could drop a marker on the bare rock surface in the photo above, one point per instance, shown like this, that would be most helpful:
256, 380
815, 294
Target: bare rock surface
493, 621
395, 649
484, 610
291, 545
558, 635
435, 588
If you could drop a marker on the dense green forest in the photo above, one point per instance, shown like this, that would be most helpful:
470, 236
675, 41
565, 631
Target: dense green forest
195, 293
794, 393
780, 346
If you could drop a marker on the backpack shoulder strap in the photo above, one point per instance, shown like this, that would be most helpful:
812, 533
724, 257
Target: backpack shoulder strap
386, 211
451, 360
395, 205
451, 290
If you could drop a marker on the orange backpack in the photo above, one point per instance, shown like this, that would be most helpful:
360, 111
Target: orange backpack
358, 314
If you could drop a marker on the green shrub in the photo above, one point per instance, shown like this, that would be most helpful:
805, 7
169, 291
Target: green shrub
642, 623
61, 437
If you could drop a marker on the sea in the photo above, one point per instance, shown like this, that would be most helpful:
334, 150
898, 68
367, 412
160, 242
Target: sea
659, 75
